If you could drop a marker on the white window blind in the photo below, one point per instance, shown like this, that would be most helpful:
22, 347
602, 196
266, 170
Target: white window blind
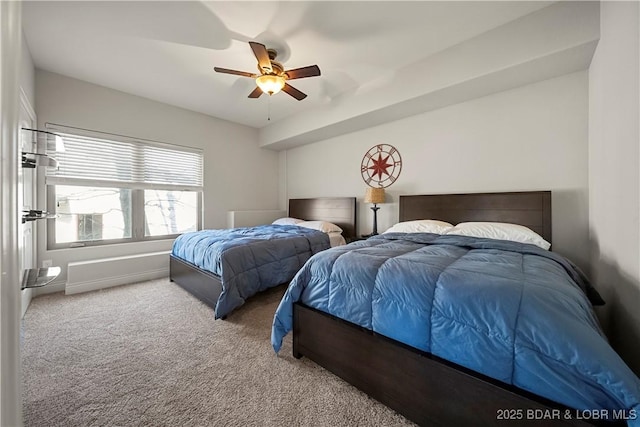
88, 160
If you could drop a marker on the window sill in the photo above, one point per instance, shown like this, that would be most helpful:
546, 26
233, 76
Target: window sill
123, 247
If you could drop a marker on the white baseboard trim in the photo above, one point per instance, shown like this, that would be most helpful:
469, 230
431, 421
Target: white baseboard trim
107, 282
51, 288
91, 275
26, 296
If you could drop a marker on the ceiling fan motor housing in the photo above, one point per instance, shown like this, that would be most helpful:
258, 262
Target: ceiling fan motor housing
276, 67
272, 77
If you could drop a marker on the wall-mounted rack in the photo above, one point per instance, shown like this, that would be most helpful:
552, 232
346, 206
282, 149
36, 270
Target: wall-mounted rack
53, 142
33, 214
31, 160
57, 144
38, 277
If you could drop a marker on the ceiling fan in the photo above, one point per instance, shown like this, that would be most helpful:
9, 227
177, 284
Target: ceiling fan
273, 77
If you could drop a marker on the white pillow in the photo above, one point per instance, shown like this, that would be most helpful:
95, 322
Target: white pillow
325, 226
287, 221
421, 226
500, 231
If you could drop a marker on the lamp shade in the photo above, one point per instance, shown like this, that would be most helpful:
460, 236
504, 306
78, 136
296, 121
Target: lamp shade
374, 195
270, 83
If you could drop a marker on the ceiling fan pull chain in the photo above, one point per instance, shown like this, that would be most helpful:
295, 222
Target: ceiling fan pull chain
269, 108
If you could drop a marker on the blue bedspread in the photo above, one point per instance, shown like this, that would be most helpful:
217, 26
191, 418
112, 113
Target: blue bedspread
249, 260
511, 311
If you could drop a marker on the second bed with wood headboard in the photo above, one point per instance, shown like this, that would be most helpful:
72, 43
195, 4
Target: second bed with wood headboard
455, 329
224, 267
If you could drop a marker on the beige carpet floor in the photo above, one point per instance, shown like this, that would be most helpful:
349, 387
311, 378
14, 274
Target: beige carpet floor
151, 354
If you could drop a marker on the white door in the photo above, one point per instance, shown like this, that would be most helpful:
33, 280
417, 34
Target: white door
27, 198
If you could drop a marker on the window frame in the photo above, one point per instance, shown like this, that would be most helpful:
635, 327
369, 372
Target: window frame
138, 216
137, 223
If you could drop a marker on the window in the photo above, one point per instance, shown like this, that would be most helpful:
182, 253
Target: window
112, 189
169, 212
88, 214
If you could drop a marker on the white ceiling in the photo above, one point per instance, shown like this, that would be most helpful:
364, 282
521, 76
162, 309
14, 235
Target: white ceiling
166, 51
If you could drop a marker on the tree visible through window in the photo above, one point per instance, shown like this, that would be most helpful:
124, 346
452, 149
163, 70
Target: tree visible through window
169, 212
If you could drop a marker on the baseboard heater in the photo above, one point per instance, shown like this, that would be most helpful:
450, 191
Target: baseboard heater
252, 218
102, 273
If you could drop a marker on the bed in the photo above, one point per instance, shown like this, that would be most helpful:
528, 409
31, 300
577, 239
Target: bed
429, 380
248, 252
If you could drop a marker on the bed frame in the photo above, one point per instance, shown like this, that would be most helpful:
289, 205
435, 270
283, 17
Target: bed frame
207, 286
422, 387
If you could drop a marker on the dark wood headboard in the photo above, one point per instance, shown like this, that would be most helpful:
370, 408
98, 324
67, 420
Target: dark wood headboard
529, 208
338, 210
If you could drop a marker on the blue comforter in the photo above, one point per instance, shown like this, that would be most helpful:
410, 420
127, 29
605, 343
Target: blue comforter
249, 260
511, 311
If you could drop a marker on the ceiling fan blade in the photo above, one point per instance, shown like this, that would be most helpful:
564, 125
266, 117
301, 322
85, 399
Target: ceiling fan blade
236, 72
256, 93
300, 73
294, 92
260, 51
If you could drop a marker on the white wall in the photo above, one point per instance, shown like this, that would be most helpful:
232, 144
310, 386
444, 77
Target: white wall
530, 138
614, 178
238, 174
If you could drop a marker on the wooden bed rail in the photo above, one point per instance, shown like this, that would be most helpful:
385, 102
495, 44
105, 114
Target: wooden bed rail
426, 389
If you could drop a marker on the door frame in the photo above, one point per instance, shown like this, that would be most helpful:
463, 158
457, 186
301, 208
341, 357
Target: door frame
10, 369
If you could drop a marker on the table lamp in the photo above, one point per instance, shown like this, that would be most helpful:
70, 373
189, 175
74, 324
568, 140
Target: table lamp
375, 196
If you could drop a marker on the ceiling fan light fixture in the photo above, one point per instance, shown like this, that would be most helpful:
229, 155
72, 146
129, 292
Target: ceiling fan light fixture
274, 76
270, 83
